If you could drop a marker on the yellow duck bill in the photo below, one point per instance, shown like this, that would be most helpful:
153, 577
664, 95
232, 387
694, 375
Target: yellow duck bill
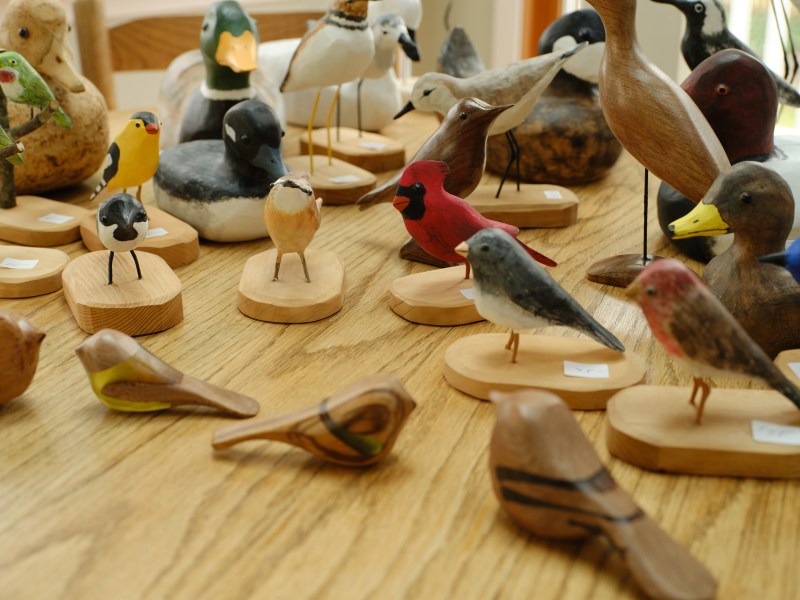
704, 219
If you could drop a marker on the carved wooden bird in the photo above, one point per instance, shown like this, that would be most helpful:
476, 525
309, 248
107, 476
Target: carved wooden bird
356, 427
126, 377
122, 225
19, 353
292, 216
460, 141
700, 333
549, 479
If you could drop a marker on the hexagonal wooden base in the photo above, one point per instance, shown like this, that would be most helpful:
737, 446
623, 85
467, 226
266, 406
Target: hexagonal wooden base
336, 183
43, 278
180, 246
130, 305
291, 299
23, 224
535, 205
480, 363
435, 297
653, 427
370, 151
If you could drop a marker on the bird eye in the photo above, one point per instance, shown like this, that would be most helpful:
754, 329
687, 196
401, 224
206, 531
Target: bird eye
140, 217
463, 116
13, 61
205, 26
485, 248
722, 89
283, 133
651, 291
138, 124
24, 33
427, 92
69, 28
245, 139
746, 197
698, 7
417, 186
104, 220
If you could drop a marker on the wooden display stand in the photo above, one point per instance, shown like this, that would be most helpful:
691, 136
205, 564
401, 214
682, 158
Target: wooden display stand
619, 271
37, 221
438, 297
21, 277
784, 359
130, 305
336, 183
478, 364
179, 246
291, 299
370, 151
533, 206
653, 427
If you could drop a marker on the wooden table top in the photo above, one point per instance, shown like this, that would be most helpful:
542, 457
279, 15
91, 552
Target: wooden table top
99, 504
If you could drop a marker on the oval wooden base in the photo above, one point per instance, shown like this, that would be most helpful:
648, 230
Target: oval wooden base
371, 151
784, 359
43, 278
23, 224
653, 427
618, 270
291, 299
478, 364
434, 297
336, 183
178, 247
533, 206
130, 305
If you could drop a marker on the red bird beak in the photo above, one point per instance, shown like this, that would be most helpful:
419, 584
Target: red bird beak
151, 128
400, 202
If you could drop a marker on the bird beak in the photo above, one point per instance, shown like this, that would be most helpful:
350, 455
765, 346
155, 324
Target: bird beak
237, 52
409, 47
407, 108
632, 291
151, 128
779, 258
400, 202
703, 220
462, 248
57, 63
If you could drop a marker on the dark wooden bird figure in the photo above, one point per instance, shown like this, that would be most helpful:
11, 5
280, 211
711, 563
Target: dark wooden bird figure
356, 427
550, 481
19, 353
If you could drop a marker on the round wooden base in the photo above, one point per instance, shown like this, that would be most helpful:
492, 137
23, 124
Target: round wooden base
653, 427
438, 297
478, 364
26, 272
37, 221
170, 238
371, 151
337, 182
533, 206
619, 270
291, 299
130, 305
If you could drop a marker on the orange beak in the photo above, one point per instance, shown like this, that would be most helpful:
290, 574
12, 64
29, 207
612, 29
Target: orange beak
151, 128
400, 202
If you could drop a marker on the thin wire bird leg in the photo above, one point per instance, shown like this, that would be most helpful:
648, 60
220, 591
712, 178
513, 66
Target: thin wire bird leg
310, 130
139, 193
513, 139
695, 387
510, 339
328, 124
515, 337
277, 265
110, 267
511, 146
466, 264
706, 391
305, 267
358, 105
136, 262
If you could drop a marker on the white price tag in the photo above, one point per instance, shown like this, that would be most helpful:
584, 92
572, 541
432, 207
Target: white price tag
56, 218
469, 293
553, 195
795, 367
343, 179
587, 371
373, 145
157, 232
15, 263
772, 433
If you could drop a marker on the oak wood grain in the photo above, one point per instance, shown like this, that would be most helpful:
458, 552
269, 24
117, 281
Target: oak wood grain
96, 504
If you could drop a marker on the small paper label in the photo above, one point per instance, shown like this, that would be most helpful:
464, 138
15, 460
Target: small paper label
157, 232
56, 218
587, 371
772, 433
373, 145
469, 293
15, 263
795, 367
553, 195
343, 179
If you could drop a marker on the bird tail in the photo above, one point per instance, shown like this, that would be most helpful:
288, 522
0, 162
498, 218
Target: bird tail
61, 119
537, 256
15, 159
604, 336
781, 383
100, 187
